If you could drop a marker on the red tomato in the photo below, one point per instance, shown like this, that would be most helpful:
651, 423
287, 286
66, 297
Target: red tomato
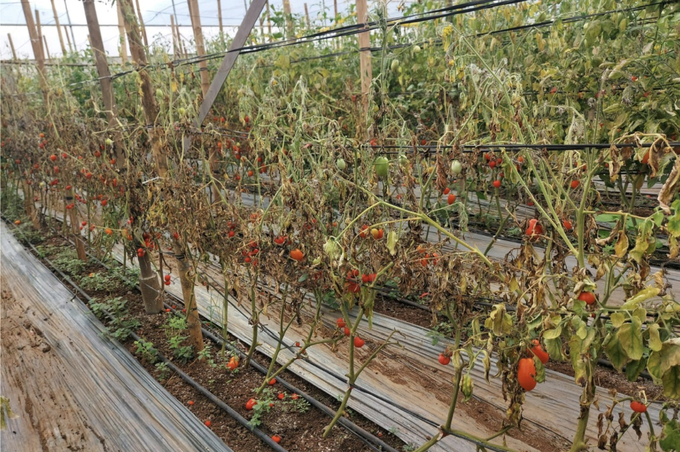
638, 407
526, 374
588, 297
444, 359
359, 342
250, 404
297, 255
537, 350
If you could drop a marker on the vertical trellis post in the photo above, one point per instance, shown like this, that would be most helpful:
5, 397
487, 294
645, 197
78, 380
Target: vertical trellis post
56, 22
364, 55
290, 28
121, 32
11, 46
141, 22
195, 14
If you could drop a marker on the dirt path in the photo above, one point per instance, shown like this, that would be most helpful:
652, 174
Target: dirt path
71, 387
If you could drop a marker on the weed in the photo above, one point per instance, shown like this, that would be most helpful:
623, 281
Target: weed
146, 350
120, 324
163, 371
262, 406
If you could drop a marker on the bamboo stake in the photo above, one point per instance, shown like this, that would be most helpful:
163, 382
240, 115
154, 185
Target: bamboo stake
150, 107
141, 22
309, 25
56, 21
174, 37
219, 15
68, 38
39, 29
121, 31
11, 45
289, 19
200, 46
364, 56
47, 49
269, 23
335, 8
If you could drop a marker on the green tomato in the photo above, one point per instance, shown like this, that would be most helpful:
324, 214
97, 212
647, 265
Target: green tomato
456, 167
109, 141
181, 111
382, 166
395, 64
403, 160
340, 163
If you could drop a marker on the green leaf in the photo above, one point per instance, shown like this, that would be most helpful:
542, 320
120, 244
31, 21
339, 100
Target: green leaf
660, 362
617, 319
630, 337
635, 368
670, 436
554, 333
554, 349
615, 352
654, 338
671, 383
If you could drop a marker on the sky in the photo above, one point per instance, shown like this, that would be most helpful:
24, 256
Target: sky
154, 12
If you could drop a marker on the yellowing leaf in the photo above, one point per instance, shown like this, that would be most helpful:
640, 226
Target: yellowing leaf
643, 295
621, 247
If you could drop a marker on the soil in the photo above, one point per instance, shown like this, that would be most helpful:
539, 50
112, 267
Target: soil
299, 425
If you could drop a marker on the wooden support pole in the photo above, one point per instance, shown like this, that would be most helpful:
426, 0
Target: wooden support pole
141, 23
309, 24
335, 8
219, 15
269, 23
174, 37
364, 56
149, 279
290, 27
68, 38
39, 30
47, 50
56, 21
97, 44
121, 31
200, 46
11, 45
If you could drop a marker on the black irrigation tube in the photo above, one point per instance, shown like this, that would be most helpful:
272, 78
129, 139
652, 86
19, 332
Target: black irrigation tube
210, 396
257, 366
353, 428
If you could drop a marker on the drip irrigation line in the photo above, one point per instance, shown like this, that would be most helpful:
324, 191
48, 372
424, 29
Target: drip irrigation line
515, 147
346, 423
210, 396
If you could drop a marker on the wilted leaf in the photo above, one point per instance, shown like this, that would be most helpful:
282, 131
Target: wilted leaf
621, 247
